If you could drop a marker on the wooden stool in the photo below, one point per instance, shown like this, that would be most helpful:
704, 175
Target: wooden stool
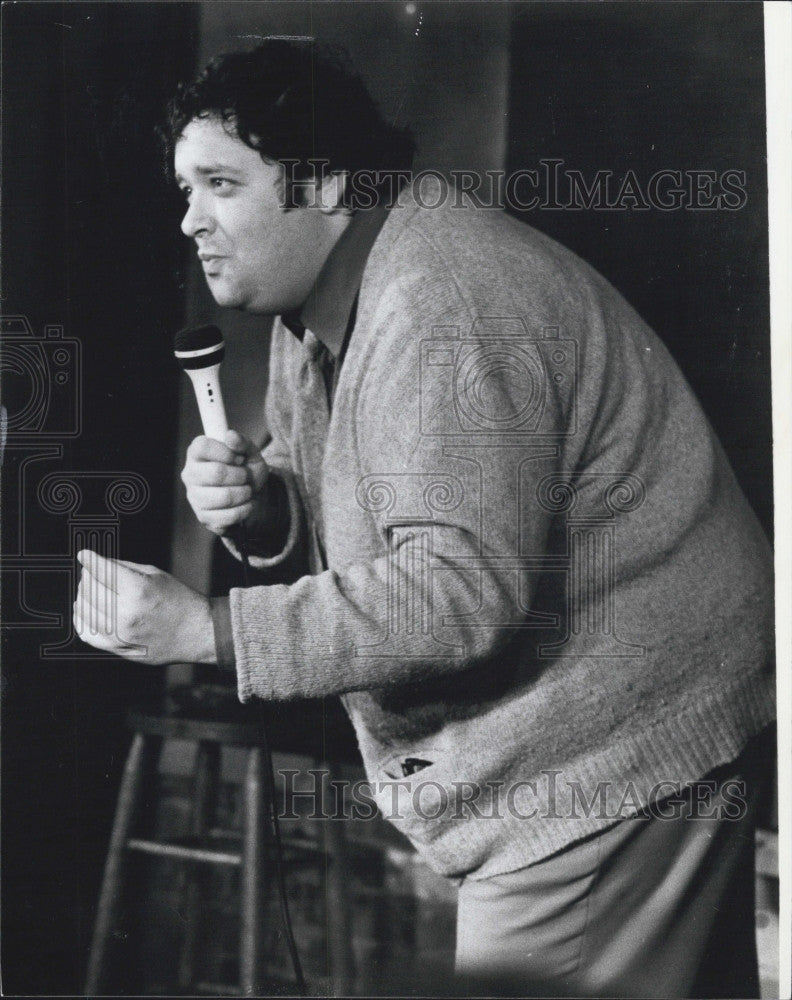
150, 730
232, 725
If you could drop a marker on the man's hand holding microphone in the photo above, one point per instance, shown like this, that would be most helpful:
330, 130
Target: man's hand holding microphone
225, 480
140, 612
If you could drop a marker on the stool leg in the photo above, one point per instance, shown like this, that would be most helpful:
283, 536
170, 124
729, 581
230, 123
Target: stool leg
252, 875
338, 902
113, 871
207, 774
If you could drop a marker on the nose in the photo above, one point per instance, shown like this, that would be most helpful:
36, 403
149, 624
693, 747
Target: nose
196, 219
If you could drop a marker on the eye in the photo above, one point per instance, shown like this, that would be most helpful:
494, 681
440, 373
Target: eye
220, 183
186, 192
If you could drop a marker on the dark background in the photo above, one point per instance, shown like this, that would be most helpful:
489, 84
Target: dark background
91, 241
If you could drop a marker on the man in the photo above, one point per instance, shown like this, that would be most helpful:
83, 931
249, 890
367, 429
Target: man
526, 565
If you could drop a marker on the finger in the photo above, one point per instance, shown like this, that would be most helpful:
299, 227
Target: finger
104, 614
112, 573
240, 445
95, 597
100, 569
214, 474
98, 606
222, 520
93, 624
105, 638
140, 569
96, 639
219, 498
206, 449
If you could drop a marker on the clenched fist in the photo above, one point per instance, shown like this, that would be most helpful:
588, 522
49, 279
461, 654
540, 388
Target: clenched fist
223, 479
141, 613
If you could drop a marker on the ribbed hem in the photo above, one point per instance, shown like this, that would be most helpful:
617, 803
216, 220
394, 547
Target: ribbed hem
679, 749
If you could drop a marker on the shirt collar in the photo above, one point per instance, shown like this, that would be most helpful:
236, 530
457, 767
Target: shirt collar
330, 305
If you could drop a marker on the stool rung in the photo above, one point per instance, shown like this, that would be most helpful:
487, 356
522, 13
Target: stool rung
218, 989
184, 853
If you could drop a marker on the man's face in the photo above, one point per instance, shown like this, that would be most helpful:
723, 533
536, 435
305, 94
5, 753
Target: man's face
255, 255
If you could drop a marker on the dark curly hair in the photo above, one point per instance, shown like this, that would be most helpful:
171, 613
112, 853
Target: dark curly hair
297, 101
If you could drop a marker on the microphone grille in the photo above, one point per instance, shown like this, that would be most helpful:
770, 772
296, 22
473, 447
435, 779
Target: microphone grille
197, 338
199, 347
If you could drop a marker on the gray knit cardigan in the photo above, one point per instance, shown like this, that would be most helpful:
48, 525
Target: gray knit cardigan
533, 576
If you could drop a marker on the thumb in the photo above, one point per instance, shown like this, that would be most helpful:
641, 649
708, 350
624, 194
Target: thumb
240, 444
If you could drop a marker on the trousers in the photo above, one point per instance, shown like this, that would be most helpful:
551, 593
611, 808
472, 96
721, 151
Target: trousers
660, 905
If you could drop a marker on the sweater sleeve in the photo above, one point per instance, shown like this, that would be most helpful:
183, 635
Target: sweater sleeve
442, 594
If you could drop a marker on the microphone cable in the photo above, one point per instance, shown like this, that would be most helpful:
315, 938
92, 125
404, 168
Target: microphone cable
200, 351
269, 776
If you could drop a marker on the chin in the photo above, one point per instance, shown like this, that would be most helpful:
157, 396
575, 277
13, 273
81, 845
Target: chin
267, 307
232, 296
228, 298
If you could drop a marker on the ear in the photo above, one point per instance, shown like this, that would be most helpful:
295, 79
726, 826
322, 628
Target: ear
330, 193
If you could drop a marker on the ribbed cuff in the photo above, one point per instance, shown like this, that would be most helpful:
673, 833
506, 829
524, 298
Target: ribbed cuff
267, 536
223, 632
272, 533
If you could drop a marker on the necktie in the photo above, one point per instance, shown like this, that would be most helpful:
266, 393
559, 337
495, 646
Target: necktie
313, 416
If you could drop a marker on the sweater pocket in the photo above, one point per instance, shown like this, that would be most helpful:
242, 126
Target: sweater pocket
415, 791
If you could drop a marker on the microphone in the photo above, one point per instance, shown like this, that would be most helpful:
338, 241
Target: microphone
199, 350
